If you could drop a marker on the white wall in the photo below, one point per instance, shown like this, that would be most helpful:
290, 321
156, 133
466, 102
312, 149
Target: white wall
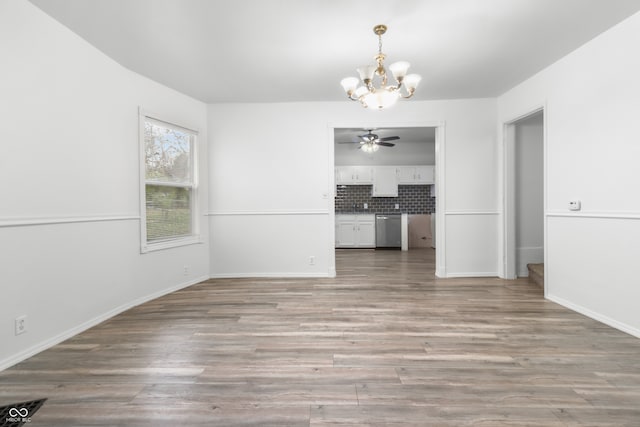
529, 167
592, 99
69, 218
271, 178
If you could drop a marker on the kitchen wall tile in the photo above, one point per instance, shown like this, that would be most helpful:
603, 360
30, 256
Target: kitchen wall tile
412, 199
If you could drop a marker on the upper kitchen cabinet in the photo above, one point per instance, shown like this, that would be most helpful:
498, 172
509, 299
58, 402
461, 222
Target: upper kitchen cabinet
416, 175
385, 181
354, 175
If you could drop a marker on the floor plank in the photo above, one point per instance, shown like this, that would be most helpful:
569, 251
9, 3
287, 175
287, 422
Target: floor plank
384, 343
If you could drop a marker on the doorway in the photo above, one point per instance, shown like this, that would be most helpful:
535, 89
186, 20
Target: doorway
417, 145
525, 196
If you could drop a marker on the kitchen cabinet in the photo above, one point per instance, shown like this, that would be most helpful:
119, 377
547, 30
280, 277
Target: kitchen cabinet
355, 231
385, 181
354, 175
416, 175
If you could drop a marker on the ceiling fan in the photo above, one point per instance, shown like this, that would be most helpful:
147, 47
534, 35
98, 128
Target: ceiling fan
371, 142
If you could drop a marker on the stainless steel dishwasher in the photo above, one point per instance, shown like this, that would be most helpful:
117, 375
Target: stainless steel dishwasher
388, 231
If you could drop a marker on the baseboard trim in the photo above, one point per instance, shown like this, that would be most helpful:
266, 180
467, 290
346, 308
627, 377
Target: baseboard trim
270, 275
595, 316
44, 345
472, 274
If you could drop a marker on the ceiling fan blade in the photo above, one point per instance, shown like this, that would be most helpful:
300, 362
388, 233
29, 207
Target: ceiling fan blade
348, 142
389, 138
385, 144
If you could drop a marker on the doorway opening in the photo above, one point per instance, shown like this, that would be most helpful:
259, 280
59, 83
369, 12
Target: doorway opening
525, 197
370, 184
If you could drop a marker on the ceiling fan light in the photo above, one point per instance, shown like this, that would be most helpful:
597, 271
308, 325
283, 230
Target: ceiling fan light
411, 82
370, 147
399, 69
349, 84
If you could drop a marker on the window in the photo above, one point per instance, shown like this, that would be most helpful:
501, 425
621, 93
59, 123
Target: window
169, 185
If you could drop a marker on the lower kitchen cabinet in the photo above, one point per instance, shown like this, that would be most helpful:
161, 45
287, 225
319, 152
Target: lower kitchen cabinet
355, 231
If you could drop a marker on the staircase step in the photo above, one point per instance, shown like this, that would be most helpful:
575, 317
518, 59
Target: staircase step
536, 274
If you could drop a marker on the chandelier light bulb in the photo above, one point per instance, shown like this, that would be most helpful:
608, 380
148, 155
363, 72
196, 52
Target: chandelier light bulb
349, 84
380, 99
411, 82
366, 72
360, 92
399, 70
379, 94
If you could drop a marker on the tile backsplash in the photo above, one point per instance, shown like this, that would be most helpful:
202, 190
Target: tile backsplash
412, 199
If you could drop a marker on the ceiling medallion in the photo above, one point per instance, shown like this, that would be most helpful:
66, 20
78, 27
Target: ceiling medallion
383, 95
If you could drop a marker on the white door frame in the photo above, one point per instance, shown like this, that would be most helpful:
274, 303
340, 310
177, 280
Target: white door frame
509, 188
439, 179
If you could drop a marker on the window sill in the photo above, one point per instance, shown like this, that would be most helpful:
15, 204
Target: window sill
169, 244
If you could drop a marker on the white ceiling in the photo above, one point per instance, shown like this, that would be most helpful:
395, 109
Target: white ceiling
299, 50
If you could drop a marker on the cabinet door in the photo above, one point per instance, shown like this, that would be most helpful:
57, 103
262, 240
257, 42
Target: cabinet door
385, 182
343, 175
424, 175
406, 174
353, 175
362, 175
366, 234
345, 234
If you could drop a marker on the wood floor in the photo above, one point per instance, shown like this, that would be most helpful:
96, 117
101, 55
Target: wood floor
385, 343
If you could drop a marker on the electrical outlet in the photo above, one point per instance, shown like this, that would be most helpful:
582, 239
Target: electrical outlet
186, 270
312, 260
21, 325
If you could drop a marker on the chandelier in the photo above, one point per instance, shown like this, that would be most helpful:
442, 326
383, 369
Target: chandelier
384, 95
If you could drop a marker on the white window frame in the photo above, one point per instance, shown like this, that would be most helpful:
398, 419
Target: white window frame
173, 242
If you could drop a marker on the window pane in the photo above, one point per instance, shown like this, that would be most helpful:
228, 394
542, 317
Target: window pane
168, 212
167, 153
